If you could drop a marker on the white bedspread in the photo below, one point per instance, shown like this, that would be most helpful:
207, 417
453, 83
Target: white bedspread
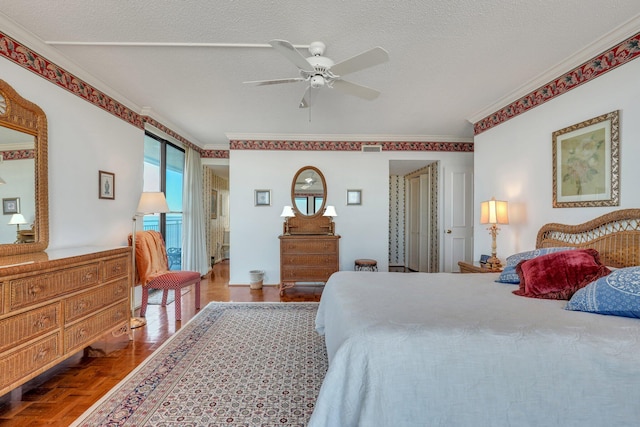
443, 349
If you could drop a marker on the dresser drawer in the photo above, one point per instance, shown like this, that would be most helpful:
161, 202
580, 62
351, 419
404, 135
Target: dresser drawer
310, 260
306, 274
30, 359
92, 301
115, 268
81, 333
310, 246
16, 330
43, 287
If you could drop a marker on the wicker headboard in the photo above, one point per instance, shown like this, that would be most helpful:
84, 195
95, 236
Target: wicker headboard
616, 236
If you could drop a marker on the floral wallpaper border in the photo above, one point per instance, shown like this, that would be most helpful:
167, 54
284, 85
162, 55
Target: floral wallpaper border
466, 147
18, 154
618, 55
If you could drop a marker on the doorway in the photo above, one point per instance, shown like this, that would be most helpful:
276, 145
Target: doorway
413, 216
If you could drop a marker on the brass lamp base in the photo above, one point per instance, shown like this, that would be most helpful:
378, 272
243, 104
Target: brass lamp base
137, 322
493, 263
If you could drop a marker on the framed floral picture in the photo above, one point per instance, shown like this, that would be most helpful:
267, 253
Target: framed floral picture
354, 197
106, 185
263, 197
11, 205
586, 163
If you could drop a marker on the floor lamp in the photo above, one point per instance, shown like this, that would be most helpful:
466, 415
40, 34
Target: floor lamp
150, 203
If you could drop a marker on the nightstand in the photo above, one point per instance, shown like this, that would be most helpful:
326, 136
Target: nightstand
476, 267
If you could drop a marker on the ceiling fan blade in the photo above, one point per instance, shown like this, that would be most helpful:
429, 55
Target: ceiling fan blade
292, 54
275, 82
355, 89
305, 102
367, 59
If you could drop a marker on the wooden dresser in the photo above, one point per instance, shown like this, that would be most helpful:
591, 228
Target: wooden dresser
55, 303
309, 251
307, 258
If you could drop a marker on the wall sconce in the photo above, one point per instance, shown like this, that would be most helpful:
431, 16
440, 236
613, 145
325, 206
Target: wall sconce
287, 212
330, 211
494, 212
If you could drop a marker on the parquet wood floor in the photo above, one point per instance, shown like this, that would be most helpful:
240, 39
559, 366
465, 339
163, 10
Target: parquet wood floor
60, 395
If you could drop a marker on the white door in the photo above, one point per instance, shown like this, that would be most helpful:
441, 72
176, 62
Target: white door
419, 223
425, 223
458, 216
413, 223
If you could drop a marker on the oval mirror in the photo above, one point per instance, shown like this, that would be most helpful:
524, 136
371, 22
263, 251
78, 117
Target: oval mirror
308, 192
23, 174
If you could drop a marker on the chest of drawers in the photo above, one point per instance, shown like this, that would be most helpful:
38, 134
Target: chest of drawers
307, 258
53, 304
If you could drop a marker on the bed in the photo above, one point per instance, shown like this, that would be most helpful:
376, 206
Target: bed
446, 349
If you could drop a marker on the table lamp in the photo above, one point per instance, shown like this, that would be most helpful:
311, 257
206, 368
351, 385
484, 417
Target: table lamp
494, 212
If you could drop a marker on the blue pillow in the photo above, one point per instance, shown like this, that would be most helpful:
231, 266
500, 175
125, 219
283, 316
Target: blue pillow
509, 274
617, 294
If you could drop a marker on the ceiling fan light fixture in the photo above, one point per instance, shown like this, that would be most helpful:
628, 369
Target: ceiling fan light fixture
317, 81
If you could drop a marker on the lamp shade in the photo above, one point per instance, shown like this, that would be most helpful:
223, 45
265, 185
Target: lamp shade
494, 212
152, 202
330, 211
17, 219
287, 212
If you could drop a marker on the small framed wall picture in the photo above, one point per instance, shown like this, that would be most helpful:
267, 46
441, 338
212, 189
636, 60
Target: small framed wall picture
263, 198
11, 205
106, 185
354, 197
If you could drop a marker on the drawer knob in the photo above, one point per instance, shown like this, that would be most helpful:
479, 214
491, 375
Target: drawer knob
116, 268
42, 322
82, 332
34, 290
82, 305
41, 354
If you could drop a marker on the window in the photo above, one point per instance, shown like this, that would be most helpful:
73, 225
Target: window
309, 205
164, 171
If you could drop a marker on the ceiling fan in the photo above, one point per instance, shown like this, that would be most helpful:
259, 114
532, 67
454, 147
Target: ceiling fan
319, 71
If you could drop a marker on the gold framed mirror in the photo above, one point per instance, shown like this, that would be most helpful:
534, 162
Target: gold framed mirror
23, 138
308, 192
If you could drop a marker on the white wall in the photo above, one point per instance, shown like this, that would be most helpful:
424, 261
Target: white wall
82, 140
364, 229
513, 161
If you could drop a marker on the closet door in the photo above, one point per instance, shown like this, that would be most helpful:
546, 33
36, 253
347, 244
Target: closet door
413, 224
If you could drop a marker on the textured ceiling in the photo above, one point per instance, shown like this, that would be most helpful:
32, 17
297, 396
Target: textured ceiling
449, 59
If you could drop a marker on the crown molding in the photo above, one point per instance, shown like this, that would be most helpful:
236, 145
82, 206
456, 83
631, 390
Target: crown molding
610, 39
150, 113
17, 146
343, 137
214, 147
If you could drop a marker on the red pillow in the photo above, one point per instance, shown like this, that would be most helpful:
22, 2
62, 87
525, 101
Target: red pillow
559, 275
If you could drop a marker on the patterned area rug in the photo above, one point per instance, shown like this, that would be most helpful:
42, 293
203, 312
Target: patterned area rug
233, 364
